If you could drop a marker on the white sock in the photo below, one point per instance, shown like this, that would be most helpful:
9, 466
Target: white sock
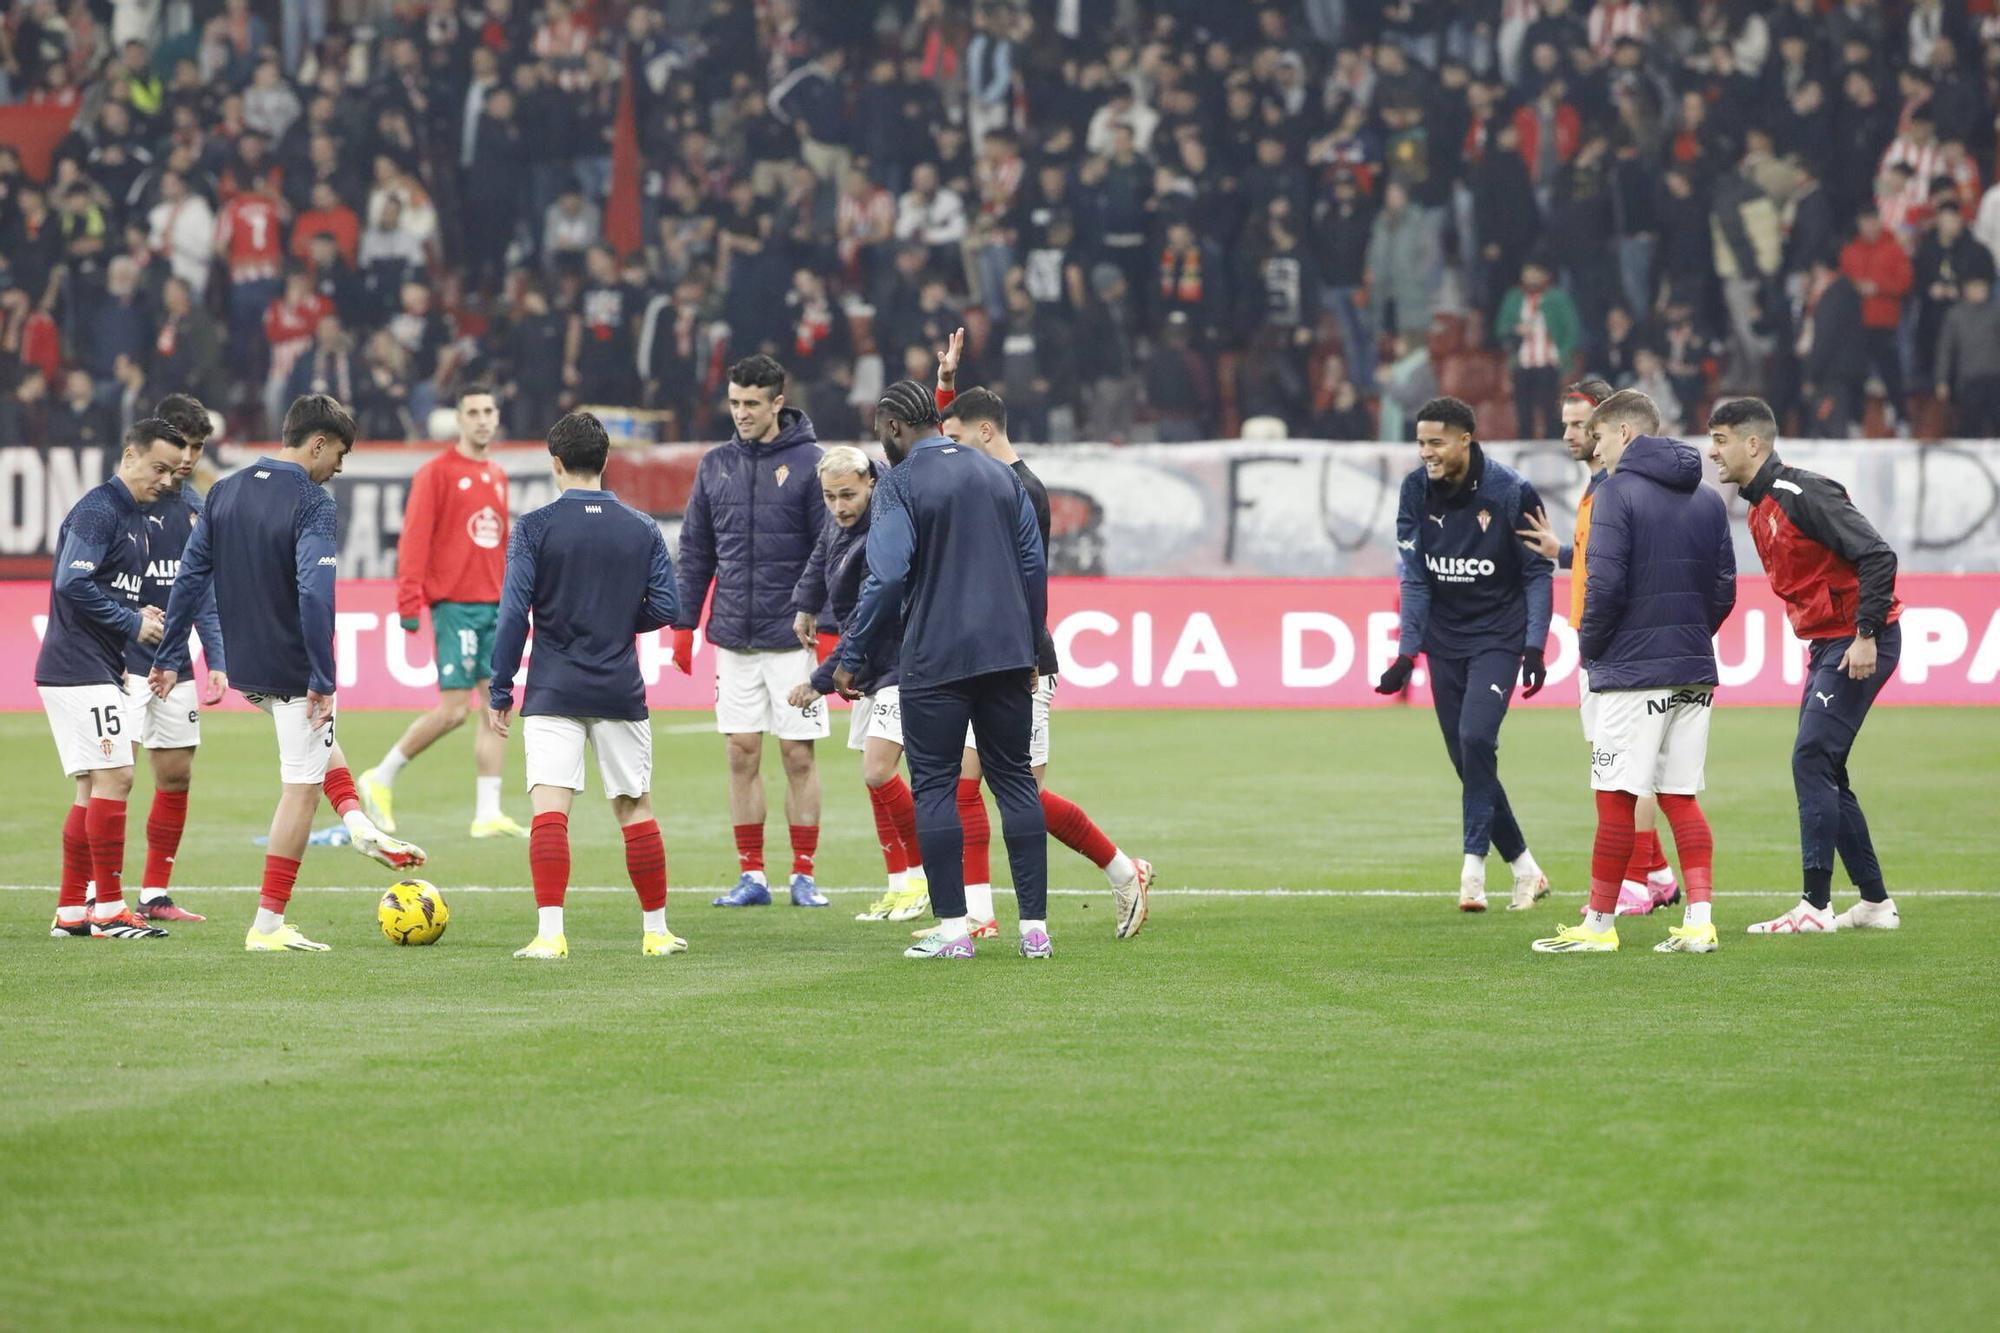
953, 927
392, 764
151, 895
1027, 926
899, 881
1475, 869
268, 921
758, 875
1120, 870
548, 921
979, 902
1525, 867
653, 922
71, 915
359, 826
1697, 914
486, 798
1600, 921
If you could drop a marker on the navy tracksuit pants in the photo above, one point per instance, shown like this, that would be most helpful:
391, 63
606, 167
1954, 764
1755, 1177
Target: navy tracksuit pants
1471, 695
1830, 716
1000, 707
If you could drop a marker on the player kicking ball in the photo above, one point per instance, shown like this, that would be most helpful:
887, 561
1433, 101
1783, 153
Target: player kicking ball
266, 546
1837, 578
1662, 581
1476, 603
591, 573
978, 417
833, 579
94, 614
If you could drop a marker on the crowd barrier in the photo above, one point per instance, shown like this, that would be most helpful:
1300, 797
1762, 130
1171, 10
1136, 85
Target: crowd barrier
1203, 643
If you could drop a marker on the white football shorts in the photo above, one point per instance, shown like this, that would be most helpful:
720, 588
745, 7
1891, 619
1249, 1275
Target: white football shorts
751, 689
878, 717
89, 724
555, 752
1652, 741
303, 753
172, 723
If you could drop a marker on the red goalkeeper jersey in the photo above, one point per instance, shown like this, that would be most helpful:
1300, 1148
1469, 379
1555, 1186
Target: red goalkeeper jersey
454, 542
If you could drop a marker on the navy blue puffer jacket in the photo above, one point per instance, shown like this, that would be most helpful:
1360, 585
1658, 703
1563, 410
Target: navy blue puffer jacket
1662, 571
750, 528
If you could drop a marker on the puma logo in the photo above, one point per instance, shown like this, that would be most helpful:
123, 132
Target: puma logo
1436, 518
1826, 700
1497, 690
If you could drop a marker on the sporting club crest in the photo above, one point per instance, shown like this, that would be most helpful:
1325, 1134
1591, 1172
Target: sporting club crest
1485, 519
784, 471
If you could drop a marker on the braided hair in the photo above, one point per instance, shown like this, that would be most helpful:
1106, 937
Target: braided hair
909, 402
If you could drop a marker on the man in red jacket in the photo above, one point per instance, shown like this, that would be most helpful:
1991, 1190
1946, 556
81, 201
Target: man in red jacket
1837, 578
450, 558
1875, 262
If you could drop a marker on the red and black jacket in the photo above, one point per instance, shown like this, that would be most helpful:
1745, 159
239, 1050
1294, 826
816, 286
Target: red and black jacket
1835, 573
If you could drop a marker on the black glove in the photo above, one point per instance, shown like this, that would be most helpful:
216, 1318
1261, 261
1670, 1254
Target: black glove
1534, 673
1397, 677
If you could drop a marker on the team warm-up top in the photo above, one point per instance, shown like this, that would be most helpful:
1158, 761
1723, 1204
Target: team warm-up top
266, 543
100, 579
594, 572
1469, 586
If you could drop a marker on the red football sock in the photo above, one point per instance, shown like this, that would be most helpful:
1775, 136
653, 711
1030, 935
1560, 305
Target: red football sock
749, 846
903, 809
280, 874
104, 823
805, 845
894, 859
1645, 848
163, 837
548, 858
339, 789
1612, 851
75, 858
978, 833
1695, 844
1072, 828
646, 863
1656, 855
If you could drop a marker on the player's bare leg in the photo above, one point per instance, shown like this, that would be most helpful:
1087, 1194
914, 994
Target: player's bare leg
896, 827
802, 801
291, 826
489, 758
173, 775
367, 838
548, 866
72, 896
747, 810
646, 865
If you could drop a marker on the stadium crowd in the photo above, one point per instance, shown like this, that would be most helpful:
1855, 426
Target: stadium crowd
1157, 218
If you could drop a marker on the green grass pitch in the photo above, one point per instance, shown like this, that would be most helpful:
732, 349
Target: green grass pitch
1267, 1112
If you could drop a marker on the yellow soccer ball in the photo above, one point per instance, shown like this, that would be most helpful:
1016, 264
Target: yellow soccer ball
413, 912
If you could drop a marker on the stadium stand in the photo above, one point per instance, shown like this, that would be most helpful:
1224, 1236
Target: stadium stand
1156, 218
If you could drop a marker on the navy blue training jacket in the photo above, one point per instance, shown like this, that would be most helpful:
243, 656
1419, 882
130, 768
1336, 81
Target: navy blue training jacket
1662, 572
266, 542
169, 523
98, 589
593, 572
1469, 586
953, 543
750, 526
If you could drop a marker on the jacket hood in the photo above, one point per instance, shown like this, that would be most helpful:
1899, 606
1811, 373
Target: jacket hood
1669, 462
794, 427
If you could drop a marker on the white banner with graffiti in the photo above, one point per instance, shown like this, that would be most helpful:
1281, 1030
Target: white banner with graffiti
1290, 509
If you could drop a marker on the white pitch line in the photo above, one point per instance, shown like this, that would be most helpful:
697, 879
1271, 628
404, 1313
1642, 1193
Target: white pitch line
1057, 893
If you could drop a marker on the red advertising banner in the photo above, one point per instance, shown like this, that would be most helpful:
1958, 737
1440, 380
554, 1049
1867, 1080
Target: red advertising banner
1203, 643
